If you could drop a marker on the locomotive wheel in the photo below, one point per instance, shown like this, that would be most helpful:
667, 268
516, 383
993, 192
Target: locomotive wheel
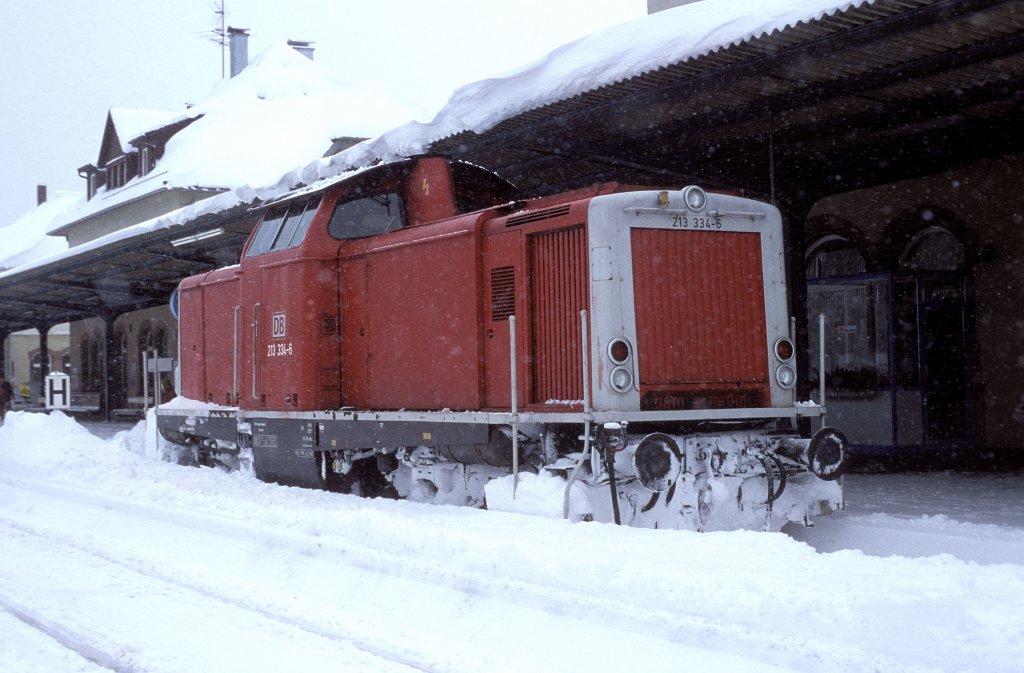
364, 479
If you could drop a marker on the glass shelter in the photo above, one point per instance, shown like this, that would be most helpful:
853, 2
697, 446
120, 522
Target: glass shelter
897, 347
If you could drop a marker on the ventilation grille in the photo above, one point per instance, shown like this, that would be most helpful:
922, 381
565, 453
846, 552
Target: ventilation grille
503, 292
558, 285
537, 216
700, 309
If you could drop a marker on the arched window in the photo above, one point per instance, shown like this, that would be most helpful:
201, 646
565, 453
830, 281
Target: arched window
92, 363
833, 255
933, 248
144, 340
37, 366
121, 366
160, 338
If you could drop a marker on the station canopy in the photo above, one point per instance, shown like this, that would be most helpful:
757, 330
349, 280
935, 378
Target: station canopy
816, 98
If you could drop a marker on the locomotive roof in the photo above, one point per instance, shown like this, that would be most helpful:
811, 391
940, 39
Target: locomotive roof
326, 183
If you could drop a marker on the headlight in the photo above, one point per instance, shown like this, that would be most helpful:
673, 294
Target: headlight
695, 198
784, 349
785, 376
621, 379
619, 350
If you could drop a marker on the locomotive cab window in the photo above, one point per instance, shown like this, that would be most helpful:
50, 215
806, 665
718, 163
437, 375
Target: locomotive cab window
477, 188
283, 226
367, 216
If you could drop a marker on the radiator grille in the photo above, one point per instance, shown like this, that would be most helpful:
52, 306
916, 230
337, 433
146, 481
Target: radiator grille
700, 310
558, 263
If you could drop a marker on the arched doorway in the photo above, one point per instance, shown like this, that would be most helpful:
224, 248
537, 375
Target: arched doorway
933, 290
153, 360
897, 335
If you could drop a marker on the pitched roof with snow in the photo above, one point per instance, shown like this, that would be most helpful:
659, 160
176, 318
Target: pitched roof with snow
130, 123
280, 113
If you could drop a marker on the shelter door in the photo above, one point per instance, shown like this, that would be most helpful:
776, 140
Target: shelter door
944, 362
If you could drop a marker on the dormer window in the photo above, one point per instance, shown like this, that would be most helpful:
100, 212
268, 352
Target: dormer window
93, 179
147, 159
117, 172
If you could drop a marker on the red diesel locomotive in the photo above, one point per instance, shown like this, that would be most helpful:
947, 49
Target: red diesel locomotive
394, 332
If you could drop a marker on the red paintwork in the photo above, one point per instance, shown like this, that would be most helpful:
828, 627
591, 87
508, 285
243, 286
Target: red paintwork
546, 247
209, 301
418, 318
700, 318
411, 335
302, 369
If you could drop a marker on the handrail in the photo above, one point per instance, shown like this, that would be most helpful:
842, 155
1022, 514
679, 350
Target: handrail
587, 413
234, 353
255, 344
515, 405
821, 366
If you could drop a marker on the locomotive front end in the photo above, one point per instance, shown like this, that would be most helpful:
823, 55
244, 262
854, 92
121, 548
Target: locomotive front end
693, 358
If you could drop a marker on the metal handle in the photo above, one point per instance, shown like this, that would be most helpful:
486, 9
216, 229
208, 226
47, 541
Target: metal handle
255, 345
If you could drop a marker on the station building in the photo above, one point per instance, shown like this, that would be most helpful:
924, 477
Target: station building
886, 131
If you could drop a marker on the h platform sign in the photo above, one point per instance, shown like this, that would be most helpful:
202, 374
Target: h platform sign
58, 390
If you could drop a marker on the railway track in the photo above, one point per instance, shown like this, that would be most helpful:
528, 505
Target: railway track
64, 648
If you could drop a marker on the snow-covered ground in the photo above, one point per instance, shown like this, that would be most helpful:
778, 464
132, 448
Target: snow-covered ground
112, 560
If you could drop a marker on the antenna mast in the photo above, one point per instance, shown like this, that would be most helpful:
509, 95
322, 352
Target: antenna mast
219, 33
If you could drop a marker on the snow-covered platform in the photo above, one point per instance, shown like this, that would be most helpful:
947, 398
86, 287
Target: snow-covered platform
974, 516
113, 560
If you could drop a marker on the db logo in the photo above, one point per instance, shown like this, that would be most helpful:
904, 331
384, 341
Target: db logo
278, 329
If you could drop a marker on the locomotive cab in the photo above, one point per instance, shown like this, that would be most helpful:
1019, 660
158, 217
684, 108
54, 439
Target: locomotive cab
267, 334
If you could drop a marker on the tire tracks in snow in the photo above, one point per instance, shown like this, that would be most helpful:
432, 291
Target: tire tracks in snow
64, 636
363, 639
684, 628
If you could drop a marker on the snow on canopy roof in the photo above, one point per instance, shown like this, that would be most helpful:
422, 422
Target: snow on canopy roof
601, 59
609, 56
25, 238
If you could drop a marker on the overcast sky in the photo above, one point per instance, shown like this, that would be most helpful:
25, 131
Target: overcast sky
64, 63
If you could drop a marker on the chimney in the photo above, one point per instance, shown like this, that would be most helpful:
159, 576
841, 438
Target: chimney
40, 194
238, 43
304, 47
